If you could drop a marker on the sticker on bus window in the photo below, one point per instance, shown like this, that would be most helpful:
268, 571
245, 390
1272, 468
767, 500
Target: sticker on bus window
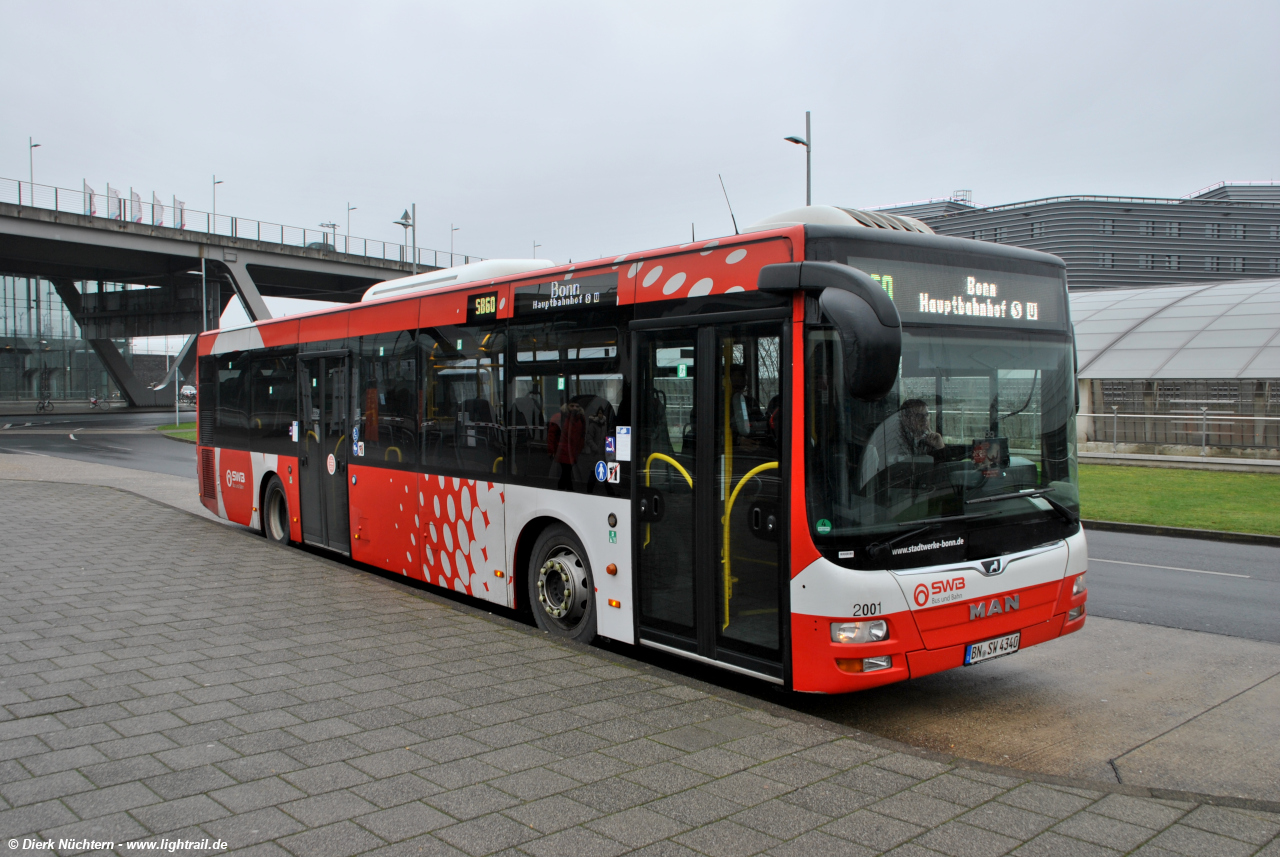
610, 448
293, 431
361, 452
615, 472
623, 443
824, 526
602, 471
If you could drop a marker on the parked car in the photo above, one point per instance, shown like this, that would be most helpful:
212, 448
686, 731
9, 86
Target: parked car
187, 394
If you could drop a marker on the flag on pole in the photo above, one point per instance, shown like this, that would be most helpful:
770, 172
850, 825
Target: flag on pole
179, 213
115, 208
90, 205
157, 210
136, 202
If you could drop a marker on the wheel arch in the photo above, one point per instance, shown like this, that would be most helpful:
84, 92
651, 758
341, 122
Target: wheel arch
529, 533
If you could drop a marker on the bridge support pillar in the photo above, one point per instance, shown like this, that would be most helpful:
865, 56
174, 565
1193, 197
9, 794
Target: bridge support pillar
244, 286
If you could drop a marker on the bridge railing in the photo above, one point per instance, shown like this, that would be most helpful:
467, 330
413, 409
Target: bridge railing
121, 206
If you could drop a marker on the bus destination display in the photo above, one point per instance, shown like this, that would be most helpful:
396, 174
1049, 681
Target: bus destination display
482, 307
961, 295
581, 293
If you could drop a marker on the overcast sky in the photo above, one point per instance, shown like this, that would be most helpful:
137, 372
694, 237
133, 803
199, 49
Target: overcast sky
598, 128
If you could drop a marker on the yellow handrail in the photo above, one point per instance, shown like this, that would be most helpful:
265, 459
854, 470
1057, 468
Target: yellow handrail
661, 456
728, 510
396, 450
496, 462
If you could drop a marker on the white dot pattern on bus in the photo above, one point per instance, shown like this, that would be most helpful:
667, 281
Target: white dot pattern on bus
652, 277
462, 552
673, 285
700, 288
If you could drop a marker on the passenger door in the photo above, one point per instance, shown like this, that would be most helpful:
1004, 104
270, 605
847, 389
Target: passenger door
710, 507
325, 411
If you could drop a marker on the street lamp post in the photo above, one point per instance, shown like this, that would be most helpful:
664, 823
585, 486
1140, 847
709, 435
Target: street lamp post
31, 166
452, 229
806, 141
346, 247
214, 222
536, 245
410, 221
334, 227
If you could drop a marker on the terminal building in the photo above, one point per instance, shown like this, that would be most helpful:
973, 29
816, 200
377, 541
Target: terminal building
1228, 231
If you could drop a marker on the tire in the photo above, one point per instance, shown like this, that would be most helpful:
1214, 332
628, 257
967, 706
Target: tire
560, 587
275, 512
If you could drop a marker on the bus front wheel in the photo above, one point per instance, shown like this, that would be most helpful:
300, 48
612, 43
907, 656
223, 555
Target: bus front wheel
561, 588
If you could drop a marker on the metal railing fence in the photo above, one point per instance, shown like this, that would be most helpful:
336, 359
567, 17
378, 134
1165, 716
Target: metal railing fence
1202, 428
120, 205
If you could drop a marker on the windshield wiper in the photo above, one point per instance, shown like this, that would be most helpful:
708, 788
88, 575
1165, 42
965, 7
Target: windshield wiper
1069, 516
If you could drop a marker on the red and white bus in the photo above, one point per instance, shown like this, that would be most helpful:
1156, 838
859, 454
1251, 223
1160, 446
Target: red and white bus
833, 452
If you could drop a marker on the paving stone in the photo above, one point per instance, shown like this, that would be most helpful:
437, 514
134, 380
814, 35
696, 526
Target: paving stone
960, 840
1008, 820
1101, 830
553, 813
533, 784
1044, 800
472, 801
328, 807
175, 814
612, 795
394, 791
335, 840
778, 819
1195, 842
486, 834
746, 788
726, 839
1051, 844
253, 828
829, 799
695, 807
190, 782
637, 827
816, 842
404, 821
105, 801
872, 829
577, 841
1256, 827
958, 790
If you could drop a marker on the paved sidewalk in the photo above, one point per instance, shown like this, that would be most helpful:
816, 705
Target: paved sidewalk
162, 677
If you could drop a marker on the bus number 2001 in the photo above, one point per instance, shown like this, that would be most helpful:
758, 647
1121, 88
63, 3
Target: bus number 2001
871, 609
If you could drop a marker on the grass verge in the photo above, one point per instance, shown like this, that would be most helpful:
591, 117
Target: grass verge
1201, 499
183, 431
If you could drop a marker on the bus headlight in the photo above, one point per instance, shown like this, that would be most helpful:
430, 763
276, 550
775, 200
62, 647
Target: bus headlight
1079, 586
859, 632
1075, 613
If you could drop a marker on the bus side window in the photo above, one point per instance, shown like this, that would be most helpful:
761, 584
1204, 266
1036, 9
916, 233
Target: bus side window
231, 420
273, 403
461, 411
567, 391
387, 400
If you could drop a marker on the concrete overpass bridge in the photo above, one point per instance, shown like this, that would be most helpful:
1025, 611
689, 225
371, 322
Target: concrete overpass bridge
179, 268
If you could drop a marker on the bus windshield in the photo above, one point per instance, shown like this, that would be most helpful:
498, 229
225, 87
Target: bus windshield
978, 425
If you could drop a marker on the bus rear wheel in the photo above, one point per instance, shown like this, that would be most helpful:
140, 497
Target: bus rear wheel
561, 588
275, 513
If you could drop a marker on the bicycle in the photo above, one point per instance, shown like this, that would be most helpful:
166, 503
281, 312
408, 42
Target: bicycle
103, 404
44, 405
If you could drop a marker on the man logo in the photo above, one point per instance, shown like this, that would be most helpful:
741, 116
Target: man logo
992, 567
921, 595
982, 610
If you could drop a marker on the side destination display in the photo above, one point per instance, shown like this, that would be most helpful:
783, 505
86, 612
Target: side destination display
580, 293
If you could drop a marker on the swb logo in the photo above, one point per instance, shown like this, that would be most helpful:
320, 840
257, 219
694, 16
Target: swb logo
235, 479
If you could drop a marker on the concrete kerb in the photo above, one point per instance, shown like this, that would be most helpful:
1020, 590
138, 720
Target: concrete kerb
1183, 533
420, 590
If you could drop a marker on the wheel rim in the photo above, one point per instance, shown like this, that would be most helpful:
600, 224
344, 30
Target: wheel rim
563, 592
277, 517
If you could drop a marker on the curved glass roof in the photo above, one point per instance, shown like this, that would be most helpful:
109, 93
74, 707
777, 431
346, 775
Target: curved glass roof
1219, 330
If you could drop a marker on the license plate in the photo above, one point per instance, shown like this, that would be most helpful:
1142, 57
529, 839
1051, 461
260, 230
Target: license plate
988, 649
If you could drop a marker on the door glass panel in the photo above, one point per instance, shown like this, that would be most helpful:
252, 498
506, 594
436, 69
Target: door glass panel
665, 443
311, 461
337, 444
749, 514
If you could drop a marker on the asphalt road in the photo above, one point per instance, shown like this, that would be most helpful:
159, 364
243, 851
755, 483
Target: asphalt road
1217, 587
123, 439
